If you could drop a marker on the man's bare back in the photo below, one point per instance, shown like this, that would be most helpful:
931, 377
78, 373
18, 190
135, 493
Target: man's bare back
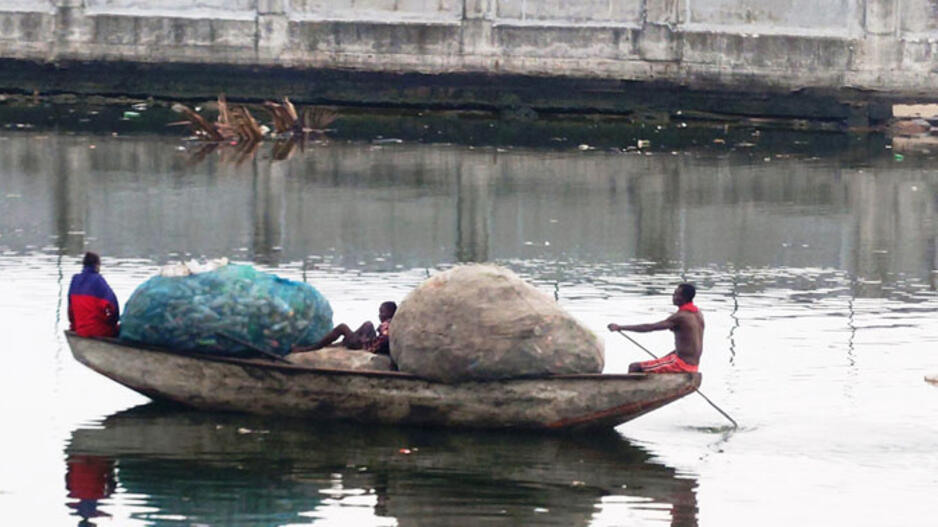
688, 335
688, 326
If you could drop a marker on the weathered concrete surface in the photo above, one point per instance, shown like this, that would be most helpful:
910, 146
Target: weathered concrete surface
855, 49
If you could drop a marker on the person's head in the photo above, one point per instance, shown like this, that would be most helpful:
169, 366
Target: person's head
386, 311
91, 260
683, 294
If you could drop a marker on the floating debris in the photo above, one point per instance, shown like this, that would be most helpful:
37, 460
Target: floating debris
286, 118
232, 124
249, 431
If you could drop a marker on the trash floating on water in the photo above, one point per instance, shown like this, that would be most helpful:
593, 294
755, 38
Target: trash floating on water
643, 143
249, 431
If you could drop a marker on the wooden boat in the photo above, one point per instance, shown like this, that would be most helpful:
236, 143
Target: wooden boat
260, 386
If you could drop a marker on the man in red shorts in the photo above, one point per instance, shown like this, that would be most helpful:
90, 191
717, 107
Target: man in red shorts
687, 324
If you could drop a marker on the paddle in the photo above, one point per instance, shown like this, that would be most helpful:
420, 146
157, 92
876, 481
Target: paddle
269, 354
726, 415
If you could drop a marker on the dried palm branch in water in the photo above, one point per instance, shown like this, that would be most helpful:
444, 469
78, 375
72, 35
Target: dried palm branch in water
236, 124
244, 125
318, 118
199, 125
232, 123
287, 119
285, 148
284, 116
223, 116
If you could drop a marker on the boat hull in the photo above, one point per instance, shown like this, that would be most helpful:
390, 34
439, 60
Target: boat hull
263, 387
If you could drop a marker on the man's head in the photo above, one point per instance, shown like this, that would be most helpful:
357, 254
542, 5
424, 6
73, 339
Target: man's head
91, 260
683, 294
386, 311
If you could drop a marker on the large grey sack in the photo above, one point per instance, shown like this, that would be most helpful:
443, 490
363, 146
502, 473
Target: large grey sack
483, 322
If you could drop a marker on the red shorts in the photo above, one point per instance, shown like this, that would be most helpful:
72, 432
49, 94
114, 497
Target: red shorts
670, 363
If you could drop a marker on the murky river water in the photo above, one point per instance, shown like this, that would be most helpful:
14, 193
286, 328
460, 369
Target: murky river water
816, 276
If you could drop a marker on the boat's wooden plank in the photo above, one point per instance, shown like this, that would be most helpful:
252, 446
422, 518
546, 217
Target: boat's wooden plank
263, 387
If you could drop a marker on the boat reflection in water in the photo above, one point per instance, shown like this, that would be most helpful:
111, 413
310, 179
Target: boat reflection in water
173, 465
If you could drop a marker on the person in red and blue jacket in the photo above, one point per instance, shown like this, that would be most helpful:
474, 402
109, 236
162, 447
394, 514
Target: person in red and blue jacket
92, 305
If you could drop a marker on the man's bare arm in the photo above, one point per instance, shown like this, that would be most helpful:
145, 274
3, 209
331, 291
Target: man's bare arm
668, 323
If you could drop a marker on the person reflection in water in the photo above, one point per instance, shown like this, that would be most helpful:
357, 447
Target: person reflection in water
365, 337
92, 305
89, 479
688, 326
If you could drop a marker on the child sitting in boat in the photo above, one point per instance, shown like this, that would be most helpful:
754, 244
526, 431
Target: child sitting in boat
365, 337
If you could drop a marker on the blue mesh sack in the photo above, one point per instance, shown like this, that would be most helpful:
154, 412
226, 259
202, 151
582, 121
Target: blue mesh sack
218, 312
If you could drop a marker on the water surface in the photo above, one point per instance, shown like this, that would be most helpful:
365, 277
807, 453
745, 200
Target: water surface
817, 276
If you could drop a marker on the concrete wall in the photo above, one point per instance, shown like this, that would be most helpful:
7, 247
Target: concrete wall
885, 45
